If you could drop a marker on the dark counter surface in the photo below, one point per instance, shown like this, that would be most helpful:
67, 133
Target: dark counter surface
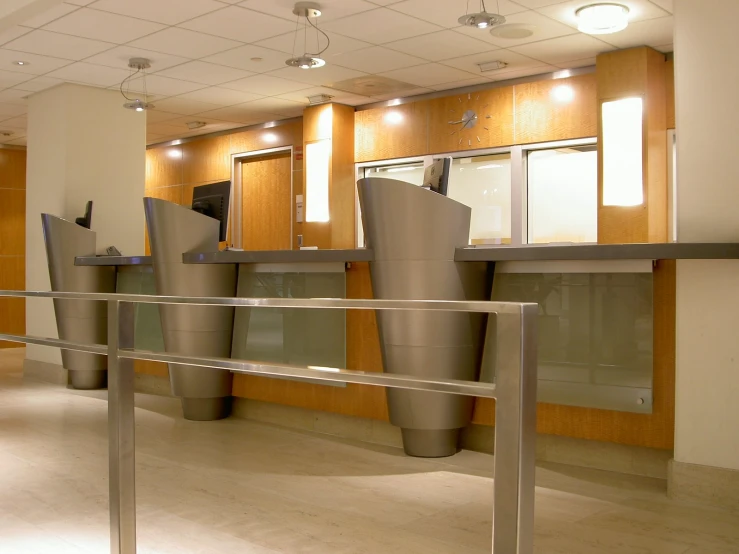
278, 256
545, 252
113, 260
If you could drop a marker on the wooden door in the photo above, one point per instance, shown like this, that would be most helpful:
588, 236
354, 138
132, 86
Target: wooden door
266, 209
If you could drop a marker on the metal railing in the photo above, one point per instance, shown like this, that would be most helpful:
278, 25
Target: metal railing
514, 392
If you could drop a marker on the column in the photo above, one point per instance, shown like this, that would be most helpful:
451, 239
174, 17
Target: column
707, 122
82, 145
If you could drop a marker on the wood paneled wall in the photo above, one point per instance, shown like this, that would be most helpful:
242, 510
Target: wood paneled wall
518, 114
12, 241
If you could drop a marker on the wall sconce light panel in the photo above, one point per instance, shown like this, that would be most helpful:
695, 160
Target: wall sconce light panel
317, 164
623, 152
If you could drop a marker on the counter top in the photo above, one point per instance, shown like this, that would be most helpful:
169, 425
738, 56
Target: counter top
278, 256
113, 260
655, 251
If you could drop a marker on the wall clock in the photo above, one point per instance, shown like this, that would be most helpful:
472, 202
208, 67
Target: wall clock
465, 119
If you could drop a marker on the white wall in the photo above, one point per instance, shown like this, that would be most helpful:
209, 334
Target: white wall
82, 145
706, 81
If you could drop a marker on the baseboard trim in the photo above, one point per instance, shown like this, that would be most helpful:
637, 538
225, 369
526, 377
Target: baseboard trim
698, 484
45, 371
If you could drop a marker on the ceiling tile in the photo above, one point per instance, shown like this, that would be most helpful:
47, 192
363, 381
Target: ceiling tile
12, 110
534, 4
332, 9
90, 74
99, 25
164, 86
515, 62
338, 96
205, 73
407, 94
585, 62
666, 48
154, 138
446, 12
240, 114
163, 129
239, 24
651, 32
565, 12
181, 42
35, 65
183, 106
169, 12
324, 76
11, 78
380, 26
266, 85
428, 75
182, 121
375, 60
56, 44
339, 44
278, 106
667, 5
441, 45
14, 96
19, 122
220, 96
242, 58
461, 83
119, 56
38, 84
564, 49
17, 142
13, 33
544, 28
80, 2
60, 10
524, 72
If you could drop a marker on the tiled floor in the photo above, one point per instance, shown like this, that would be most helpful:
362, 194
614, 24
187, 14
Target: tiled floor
238, 487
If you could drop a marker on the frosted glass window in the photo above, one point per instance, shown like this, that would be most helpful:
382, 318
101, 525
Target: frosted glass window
622, 152
317, 162
563, 195
484, 184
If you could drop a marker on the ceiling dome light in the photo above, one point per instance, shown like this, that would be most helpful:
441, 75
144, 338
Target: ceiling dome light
602, 19
140, 65
482, 19
305, 62
138, 105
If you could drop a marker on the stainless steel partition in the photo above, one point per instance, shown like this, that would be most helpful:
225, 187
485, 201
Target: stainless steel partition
78, 320
514, 393
194, 330
414, 234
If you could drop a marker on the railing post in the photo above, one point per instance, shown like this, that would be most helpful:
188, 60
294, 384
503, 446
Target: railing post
515, 432
121, 441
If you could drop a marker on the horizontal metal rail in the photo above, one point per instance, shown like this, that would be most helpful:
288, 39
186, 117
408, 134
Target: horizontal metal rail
317, 303
450, 386
514, 392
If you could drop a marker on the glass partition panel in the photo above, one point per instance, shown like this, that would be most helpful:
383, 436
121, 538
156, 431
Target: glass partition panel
484, 184
139, 279
595, 345
563, 195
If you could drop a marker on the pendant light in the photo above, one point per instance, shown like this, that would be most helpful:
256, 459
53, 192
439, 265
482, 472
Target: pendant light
482, 19
308, 60
136, 104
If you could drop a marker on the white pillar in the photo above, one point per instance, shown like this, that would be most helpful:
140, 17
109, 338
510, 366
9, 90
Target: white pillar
706, 81
82, 145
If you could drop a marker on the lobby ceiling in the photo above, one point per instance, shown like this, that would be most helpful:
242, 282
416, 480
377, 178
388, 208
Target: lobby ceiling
222, 62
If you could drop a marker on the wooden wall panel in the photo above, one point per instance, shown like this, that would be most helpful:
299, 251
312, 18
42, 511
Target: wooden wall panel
158, 369
286, 134
541, 118
163, 166
266, 204
342, 193
207, 159
377, 138
670, 93
494, 127
12, 240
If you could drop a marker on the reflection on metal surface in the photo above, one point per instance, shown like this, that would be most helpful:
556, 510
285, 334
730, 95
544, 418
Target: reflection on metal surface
291, 336
78, 320
414, 233
595, 336
195, 330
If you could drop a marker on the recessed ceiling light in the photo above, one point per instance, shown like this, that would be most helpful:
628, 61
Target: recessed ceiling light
602, 19
513, 31
20, 62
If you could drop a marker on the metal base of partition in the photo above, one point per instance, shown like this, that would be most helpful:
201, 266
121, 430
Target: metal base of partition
206, 409
82, 379
430, 443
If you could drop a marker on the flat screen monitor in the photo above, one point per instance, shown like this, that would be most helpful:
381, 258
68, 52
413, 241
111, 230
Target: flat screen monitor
86, 220
213, 200
436, 176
